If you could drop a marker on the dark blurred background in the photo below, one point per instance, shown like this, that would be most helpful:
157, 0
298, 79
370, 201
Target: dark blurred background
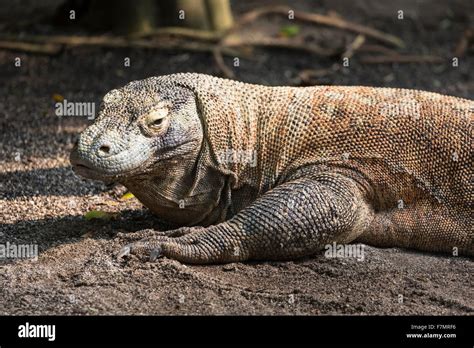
434, 31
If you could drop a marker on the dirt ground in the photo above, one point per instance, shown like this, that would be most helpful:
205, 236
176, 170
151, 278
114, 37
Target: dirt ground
43, 202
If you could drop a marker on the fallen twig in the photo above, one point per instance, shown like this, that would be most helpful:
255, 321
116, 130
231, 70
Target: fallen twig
378, 49
309, 77
332, 21
354, 46
71, 40
219, 59
400, 59
205, 35
50, 44
46, 48
463, 43
278, 43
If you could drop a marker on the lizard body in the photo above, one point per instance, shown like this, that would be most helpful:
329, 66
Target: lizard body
279, 172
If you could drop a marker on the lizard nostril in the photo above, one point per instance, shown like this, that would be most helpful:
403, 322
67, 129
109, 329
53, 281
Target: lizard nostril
104, 149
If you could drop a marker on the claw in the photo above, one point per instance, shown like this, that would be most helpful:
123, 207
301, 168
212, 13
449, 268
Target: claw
124, 251
155, 253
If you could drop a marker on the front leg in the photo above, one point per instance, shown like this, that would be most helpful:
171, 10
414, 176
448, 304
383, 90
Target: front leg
294, 219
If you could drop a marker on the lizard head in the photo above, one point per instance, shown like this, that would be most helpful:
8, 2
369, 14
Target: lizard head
140, 128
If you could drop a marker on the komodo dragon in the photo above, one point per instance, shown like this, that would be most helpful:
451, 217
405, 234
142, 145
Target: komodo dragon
280, 172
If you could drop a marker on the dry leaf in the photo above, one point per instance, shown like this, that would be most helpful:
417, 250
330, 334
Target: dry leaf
99, 214
127, 195
58, 98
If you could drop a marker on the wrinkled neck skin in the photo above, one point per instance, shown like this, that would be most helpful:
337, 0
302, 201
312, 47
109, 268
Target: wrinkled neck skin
230, 114
185, 191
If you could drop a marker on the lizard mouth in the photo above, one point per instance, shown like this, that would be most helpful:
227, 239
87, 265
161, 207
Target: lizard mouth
84, 169
92, 173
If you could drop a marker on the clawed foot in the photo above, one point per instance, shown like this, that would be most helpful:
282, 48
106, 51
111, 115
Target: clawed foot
188, 244
155, 244
140, 248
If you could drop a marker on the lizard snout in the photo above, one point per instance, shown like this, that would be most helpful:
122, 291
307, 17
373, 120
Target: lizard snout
105, 149
103, 154
108, 144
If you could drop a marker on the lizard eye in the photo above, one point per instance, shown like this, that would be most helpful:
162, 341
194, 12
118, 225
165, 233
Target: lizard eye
155, 120
156, 123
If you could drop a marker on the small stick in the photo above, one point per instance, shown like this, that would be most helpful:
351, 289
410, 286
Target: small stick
401, 59
52, 44
205, 35
378, 49
278, 43
309, 77
31, 47
219, 59
354, 46
463, 43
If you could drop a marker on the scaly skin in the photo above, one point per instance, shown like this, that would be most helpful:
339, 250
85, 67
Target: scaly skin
386, 167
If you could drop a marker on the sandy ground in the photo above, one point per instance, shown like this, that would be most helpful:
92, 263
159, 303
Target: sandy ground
43, 202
